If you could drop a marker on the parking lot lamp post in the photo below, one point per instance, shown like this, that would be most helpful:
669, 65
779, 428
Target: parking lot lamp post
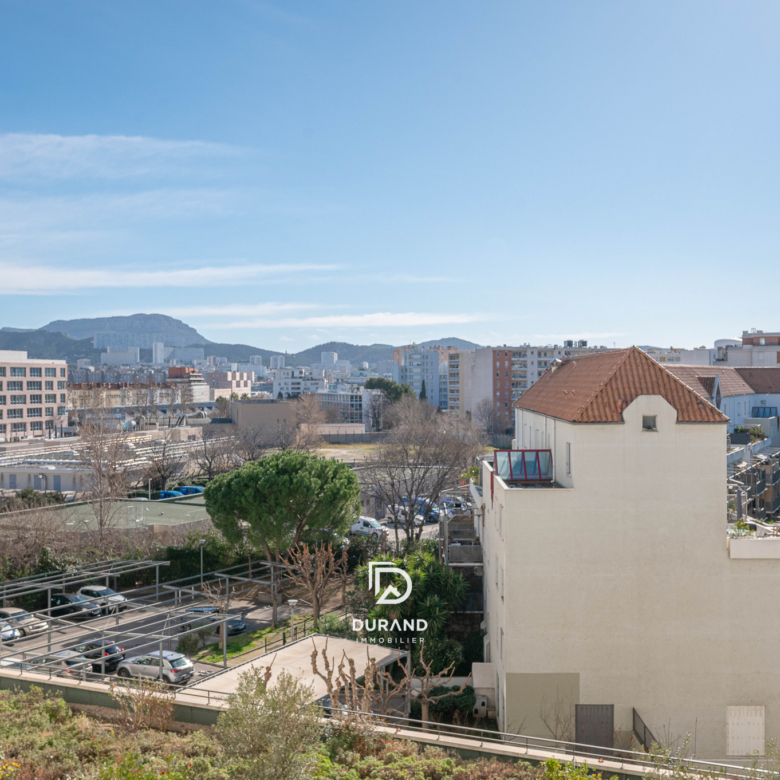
292, 603
201, 542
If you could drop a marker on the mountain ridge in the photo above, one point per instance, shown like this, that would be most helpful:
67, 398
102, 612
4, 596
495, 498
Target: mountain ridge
86, 327
73, 339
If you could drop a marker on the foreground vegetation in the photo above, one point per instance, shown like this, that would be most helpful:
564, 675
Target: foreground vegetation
41, 739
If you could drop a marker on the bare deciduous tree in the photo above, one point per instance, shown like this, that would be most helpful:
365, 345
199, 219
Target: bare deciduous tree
248, 444
288, 437
313, 569
24, 534
424, 454
102, 454
308, 410
378, 688
485, 415
428, 681
165, 463
213, 454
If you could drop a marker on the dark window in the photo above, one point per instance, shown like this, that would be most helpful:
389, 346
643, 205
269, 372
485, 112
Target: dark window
648, 423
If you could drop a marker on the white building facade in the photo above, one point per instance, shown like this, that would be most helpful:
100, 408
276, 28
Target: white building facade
611, 589
292, 382
33, 396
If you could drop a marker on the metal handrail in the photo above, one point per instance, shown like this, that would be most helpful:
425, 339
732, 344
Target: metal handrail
574, 749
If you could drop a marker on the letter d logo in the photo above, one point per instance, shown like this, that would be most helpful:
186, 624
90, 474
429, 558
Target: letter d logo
391, 594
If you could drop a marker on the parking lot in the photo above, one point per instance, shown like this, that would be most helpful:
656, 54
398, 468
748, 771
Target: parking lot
149, 622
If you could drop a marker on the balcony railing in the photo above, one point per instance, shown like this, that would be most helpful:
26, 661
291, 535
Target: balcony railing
523, 465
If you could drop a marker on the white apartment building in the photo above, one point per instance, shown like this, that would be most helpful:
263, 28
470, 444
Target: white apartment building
664, 355
33, 396
276, 361
160, 353
422, 366
292, 382
329, 358
355, 404
236, 382
756, 348
612, 591
121, 356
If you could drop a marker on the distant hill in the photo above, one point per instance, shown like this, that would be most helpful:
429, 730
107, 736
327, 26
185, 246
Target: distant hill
453, 342
52, 346
73, 339
235, 353
355, 353
172, 332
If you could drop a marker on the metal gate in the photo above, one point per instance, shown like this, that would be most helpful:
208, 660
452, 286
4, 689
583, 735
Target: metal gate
595, 724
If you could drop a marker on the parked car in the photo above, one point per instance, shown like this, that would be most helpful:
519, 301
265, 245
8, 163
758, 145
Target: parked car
15, 663
170, 494
103, 653
8, 633
108, 600
203, 616
62, 664
73, 606
176, 668
190, 490
20, 618
399, 520
367, 526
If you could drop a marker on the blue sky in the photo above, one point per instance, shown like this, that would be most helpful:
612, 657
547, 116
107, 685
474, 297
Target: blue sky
284, 174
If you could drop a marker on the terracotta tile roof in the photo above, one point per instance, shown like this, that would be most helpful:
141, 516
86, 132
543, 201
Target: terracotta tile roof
762, 379
702, 379
597, 388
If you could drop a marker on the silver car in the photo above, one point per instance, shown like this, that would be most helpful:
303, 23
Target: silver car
108, 600
63, 663
176, 668
19, 618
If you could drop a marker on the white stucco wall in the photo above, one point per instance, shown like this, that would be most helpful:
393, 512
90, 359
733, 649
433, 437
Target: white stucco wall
618, 586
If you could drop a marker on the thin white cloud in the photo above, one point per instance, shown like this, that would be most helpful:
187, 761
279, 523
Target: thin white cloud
23, 279
28, 218
562, 336
375, 320
233, 310
48, 156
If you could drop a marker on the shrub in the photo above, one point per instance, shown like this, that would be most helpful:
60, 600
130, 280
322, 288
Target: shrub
270, 733
334, 625
188, 645
445, 708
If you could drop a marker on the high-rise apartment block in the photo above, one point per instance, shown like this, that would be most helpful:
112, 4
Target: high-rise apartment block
502, 375
329, 358
33, 396
424, 367
277, 361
